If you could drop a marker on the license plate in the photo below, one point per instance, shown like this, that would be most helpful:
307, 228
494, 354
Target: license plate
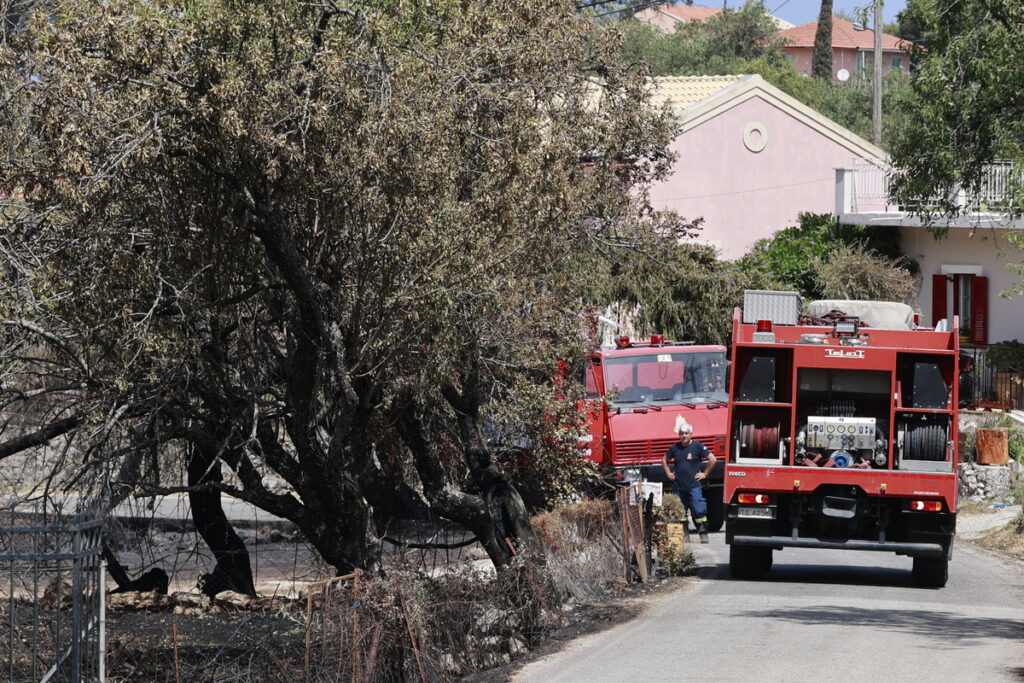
760, 512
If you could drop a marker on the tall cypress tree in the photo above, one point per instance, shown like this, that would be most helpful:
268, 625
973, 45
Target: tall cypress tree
821, 64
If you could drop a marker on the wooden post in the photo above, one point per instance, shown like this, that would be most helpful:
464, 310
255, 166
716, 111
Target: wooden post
357, 674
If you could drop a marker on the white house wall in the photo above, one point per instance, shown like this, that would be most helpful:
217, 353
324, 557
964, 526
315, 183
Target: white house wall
985, 248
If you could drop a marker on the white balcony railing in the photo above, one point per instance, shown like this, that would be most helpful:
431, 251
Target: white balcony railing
864, 188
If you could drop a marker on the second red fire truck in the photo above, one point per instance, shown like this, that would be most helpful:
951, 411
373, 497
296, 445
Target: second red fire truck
635, 391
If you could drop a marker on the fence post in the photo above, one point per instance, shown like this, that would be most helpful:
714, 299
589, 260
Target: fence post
76, 604
103, 621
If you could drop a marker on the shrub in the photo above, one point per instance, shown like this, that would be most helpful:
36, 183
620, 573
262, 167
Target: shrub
580, 547
671, 509
968, 446
1007, 356
851, 271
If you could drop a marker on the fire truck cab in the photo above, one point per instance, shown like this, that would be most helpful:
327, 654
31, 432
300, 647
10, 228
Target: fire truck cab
842, 433
634, 393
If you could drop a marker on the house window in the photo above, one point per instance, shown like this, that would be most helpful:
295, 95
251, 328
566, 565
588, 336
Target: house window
962, 297
863, 63
965, 295
789, 58
897, 63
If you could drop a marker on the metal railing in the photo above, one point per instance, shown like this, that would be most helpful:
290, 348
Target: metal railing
985, 386
52, 594
870, 186
995, 193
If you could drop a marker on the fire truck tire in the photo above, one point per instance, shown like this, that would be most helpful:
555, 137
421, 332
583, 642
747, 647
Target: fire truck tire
749, 562
930, 572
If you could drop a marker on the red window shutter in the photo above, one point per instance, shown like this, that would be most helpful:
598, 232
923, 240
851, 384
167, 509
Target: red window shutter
938, 298
979, 314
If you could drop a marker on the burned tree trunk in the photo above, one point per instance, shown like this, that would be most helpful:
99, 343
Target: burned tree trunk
496, 514
233, 570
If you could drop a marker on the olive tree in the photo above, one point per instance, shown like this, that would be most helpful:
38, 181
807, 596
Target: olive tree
312, 252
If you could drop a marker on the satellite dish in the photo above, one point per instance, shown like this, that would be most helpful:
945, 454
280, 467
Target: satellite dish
843, 75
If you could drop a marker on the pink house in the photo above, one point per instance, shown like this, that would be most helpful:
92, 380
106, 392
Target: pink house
750, 158
852, 50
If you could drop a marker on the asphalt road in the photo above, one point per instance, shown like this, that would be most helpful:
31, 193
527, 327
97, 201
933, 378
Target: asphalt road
817, 616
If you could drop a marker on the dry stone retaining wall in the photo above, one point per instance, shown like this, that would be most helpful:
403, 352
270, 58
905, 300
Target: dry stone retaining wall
982, 483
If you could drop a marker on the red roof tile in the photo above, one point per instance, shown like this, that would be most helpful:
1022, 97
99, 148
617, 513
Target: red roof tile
843, 36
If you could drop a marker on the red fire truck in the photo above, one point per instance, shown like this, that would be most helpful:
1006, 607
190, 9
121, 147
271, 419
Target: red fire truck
634, 393
842, 433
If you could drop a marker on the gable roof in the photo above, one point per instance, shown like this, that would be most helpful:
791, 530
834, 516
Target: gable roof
679, 92
844, 35
691, 110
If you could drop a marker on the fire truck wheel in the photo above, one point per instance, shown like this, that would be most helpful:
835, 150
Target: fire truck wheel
749, 562
930, 572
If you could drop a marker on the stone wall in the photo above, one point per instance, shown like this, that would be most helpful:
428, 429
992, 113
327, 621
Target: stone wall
982, 483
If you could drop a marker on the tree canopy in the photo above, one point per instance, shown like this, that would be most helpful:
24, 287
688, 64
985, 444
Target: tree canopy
744, 41
307, 253
821, 259
971, 93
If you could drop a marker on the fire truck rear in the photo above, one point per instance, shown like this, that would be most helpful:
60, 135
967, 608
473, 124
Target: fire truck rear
634, 394
842, 434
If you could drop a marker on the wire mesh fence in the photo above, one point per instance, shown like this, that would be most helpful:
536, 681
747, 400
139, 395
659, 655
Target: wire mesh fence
51, 593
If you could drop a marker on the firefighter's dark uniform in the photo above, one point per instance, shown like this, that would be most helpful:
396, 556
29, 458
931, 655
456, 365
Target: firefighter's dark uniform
687, 462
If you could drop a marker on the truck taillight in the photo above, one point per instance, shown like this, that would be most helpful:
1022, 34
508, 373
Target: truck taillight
926, 505
753, 498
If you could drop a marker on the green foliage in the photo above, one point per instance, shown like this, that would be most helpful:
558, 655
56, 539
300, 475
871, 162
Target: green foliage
742, 42
1015, 443
787, 257
676, 561
969, 446
970, 111
671, 510
724, 44
794, 258
822, 60
1007, 356
681, 290
1017, 497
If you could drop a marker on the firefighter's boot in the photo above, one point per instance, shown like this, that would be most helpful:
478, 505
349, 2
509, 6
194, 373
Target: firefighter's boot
702, 530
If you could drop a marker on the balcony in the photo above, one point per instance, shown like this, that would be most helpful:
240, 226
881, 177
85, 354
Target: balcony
862, 198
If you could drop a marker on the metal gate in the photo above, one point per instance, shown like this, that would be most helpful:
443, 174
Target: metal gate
52, 594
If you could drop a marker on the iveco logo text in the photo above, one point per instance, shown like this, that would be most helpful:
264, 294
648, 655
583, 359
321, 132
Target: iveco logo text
737, 474
842, 353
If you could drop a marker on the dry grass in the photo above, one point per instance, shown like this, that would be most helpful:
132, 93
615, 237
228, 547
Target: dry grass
580, 547
1007, 541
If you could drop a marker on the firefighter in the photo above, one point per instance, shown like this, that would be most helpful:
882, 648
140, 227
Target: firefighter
687, 473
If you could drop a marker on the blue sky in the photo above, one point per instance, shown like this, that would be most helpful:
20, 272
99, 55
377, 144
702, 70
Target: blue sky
799, 12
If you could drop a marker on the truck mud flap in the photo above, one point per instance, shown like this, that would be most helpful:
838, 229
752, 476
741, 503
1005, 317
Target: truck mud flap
912, 549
